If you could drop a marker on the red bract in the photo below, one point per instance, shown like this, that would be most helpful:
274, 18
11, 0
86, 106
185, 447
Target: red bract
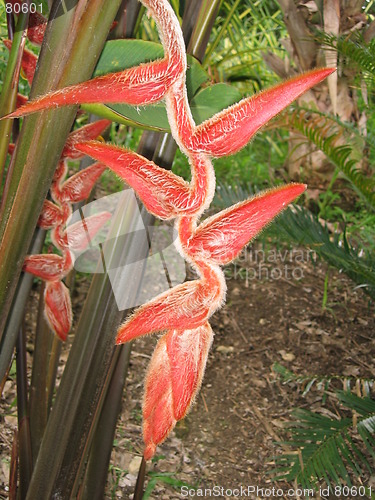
28, 63
78, 187
51, 216
85, 133
185, 306
173, 380
48, 267
230, 130
163, 193
80, 234
220, 238
58, 308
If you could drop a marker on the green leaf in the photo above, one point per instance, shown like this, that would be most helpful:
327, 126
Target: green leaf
205, 104
213, 99
326, 447
118, 55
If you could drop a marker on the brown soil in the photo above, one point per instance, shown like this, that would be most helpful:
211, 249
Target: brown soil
228, 438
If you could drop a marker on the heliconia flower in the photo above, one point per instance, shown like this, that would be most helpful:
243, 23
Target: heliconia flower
163, 193
49, 266
178, 363
220, 238
50, 216
182, 307
81, 233
173, 379
53, 268
58, 308
79, 186
230, 130
85, 133
28, 63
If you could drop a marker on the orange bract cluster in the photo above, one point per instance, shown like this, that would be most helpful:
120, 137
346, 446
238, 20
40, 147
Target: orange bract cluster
178, 363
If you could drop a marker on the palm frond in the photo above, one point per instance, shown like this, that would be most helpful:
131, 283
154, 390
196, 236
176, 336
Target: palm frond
326, 137
327, 449
322, 382
354, 49
298, 225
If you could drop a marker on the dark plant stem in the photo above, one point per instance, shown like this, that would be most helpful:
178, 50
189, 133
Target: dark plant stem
39, 409
13, 324
139, 486
13, 468
102, 443
24, 442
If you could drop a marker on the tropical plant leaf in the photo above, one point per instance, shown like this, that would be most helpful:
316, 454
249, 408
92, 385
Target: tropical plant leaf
320, 132
354, 49
327, 449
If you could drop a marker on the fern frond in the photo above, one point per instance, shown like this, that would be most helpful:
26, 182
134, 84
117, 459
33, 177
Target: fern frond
298, 225
319, 131
327, 449
322, 381
353, 48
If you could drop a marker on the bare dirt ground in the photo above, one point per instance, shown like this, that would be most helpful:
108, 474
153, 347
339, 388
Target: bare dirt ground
274, 313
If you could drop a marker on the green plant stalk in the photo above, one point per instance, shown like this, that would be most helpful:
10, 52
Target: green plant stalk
68, 42
222, 31
52, 369
10, 87
13, 468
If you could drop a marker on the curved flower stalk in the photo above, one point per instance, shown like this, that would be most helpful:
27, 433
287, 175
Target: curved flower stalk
53, 268
177, 366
